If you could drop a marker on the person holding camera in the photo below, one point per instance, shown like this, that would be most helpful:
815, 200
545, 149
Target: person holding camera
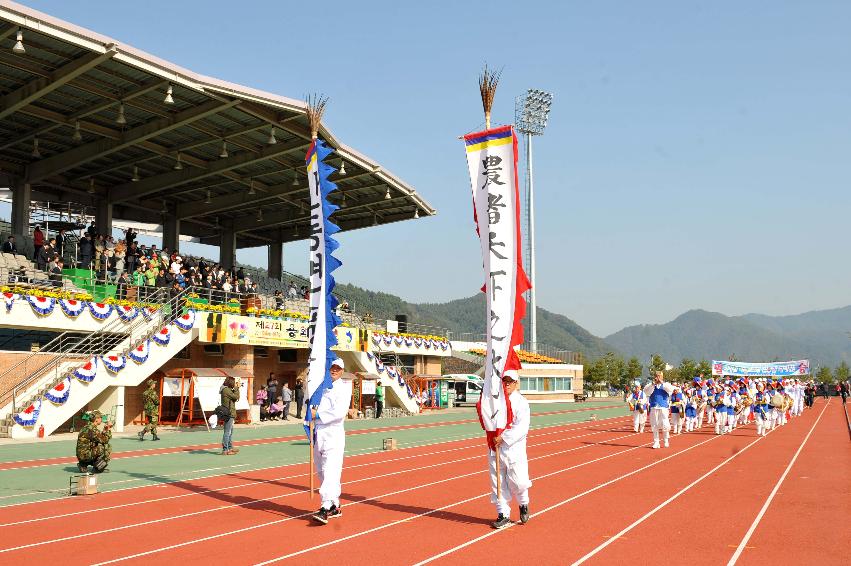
93, 444
230, 395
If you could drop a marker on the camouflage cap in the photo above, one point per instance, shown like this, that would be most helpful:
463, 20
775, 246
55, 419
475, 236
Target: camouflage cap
96, 414
151, 382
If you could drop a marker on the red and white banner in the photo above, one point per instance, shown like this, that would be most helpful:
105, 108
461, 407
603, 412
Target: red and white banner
492, 162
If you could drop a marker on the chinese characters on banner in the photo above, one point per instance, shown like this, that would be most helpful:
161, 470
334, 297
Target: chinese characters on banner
492, 161
323, 320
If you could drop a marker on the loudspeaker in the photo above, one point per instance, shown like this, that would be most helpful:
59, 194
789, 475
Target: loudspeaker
402, 319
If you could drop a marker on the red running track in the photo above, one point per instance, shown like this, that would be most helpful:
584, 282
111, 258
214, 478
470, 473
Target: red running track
599, 493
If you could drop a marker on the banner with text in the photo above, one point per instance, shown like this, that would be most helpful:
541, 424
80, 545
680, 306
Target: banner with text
236, 329
746, 369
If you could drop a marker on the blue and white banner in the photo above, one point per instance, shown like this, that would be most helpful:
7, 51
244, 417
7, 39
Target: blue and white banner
746, 369
323, 319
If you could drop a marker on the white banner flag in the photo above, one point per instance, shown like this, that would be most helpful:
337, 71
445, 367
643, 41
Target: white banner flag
492, 162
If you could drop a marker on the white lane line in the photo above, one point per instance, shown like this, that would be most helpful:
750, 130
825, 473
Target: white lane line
256, 501
665, 503
561, 429
566, 501
348, 505
768, 501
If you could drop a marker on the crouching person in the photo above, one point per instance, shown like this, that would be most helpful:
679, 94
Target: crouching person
93, 444
514, 464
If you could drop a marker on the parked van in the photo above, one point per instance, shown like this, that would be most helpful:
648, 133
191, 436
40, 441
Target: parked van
464, 389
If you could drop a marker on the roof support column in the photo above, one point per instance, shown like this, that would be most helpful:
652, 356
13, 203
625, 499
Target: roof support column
227, 247
21, 199
276, 258
171, 232
103, 217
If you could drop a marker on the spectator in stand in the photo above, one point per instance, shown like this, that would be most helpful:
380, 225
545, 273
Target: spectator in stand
86, 250
151, 276
276, 409
130, 236
121, 286
286, 397
272, 387
92, 230
240, 274
107, 263
132, 257
279, 300
9, 246
299, 397
56, 272
292, 292
139, 277
60, 243
261, 398
38, 241
43, 256
99, 247
120, 253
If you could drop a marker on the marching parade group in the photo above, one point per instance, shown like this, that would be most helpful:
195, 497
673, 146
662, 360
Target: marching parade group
723, 403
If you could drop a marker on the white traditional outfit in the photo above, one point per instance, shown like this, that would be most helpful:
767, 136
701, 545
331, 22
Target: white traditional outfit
638, 405
659, 397
330, 443
720, 411
513, 462
677, 411
762, 412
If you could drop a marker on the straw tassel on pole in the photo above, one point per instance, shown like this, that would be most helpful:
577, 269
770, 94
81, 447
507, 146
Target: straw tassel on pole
488, 81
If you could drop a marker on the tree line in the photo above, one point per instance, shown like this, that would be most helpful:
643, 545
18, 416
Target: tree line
612, 370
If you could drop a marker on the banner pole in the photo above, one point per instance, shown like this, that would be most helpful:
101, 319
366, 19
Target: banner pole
310, 458
498, 476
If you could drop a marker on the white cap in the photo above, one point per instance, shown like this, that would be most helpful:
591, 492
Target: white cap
339, 363
511, 374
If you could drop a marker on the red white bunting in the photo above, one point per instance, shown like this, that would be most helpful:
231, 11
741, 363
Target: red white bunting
114, 363
86, 373
72, 307
163, 337
60, 392
100, 311
186, 322
140, 353
42, 306
127, 313
29, 416
9, 300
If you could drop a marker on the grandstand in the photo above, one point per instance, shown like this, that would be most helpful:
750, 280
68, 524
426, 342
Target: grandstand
96, 135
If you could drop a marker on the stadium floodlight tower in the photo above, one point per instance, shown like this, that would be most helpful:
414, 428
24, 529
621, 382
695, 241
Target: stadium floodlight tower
531, 111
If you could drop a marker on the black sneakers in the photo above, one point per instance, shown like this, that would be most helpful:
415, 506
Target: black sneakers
321, 516
156, 437
524, 514
141, 435
501, 522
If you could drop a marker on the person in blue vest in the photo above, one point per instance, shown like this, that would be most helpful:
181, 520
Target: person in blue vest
730, 406
692, 403
719, 403
710, 407
762, 410
677, 403
659, 394
637, 402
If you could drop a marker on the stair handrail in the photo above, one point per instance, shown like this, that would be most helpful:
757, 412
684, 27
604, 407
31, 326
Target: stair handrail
96, 342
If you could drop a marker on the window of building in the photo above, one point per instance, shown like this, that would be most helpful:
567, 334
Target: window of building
546, 384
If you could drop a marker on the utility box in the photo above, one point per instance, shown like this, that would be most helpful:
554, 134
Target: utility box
390, 444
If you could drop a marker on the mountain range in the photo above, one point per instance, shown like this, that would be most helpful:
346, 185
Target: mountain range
820, 336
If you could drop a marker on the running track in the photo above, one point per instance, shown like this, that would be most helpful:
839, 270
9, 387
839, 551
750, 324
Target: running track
600, 495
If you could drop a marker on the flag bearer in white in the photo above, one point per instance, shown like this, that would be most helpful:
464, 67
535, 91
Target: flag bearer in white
638, 405
330, 443
659, 394
514, 464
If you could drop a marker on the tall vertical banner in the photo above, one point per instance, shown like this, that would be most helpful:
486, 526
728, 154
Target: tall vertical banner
492, 161
323, 319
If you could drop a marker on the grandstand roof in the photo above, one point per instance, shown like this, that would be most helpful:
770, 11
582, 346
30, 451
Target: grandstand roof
72, 79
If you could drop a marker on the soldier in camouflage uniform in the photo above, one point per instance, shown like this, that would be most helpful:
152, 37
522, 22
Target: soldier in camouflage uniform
93, 443
151, 402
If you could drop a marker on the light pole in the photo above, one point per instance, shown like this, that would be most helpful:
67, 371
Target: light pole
531, 111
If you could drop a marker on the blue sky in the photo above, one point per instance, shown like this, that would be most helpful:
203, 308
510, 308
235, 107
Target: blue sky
698, 153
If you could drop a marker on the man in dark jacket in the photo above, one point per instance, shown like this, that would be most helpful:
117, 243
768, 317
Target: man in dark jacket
44, 255
86, 250
299, 397
9, 246
272, 388
56, 272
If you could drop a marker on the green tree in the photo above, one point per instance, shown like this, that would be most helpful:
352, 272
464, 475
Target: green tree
842, 371
657, 363
686, 370
824, 375
705, 368
633, 370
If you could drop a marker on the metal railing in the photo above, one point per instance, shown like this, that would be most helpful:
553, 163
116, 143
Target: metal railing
69, 347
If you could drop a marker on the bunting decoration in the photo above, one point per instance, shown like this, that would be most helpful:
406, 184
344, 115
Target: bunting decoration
323, 303
140, 353
163, 337
113, 363
185, 321
42, 306
127, 314
148, 313
72, 307
492, 164
9, 300
29, 416
60, 392
100, 311
86, 373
